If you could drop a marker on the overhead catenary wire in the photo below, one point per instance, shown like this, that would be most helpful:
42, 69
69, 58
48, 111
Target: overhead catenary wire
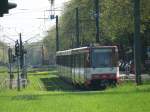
44, 24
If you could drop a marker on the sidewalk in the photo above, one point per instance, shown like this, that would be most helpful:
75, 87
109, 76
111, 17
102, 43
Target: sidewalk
123, 76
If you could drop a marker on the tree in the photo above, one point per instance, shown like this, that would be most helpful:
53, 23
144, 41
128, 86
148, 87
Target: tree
116, 24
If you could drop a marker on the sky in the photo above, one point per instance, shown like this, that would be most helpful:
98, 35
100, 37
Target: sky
28, 19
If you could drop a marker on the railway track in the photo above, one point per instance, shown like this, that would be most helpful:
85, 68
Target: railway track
2, 81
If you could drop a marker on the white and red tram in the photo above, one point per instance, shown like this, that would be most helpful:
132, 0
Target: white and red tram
89, 66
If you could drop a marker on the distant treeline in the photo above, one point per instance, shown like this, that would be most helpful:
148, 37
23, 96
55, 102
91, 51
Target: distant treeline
3, 53
116, 26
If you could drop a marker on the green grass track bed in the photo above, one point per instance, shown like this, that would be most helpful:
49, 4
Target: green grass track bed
48, 93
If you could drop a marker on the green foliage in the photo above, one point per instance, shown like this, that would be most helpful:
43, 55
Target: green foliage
116, 24
49, 41
3, 53
117, 18
34, 53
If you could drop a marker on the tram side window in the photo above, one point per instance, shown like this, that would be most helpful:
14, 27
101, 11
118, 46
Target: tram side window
65, 61
62, 60
81, 60
58, 60
69, 61
76, 60
73, 61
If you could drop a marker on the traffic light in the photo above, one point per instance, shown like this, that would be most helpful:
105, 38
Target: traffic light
17, 50
52, 16
10, 57
5, 6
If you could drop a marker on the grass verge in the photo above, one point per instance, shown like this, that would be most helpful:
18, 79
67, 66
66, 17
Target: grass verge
48, 93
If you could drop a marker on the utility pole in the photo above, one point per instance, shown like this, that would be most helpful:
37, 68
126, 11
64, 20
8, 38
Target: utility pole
21, 56
10, 57
25, 65
137, 45
22, 62
17, 53
3, 54
18, 75
77, 28
97, 19
42, 48
57, 35
21, 52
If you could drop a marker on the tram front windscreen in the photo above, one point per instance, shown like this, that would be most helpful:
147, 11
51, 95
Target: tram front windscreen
102, 58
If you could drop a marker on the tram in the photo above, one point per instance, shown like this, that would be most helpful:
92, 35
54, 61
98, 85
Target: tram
147, 59
95, 66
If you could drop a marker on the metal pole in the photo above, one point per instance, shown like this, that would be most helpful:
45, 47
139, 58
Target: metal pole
10, 67
42, 54
137, 45
21, 52
3, 55
97, 20
18, 75
57, 35
77, 28
25, 66
10, 76
21, 57
17, 53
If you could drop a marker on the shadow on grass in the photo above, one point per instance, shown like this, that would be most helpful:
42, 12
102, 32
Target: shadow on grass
33, 70
25, 97
43, 73
68, 92
56, 84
